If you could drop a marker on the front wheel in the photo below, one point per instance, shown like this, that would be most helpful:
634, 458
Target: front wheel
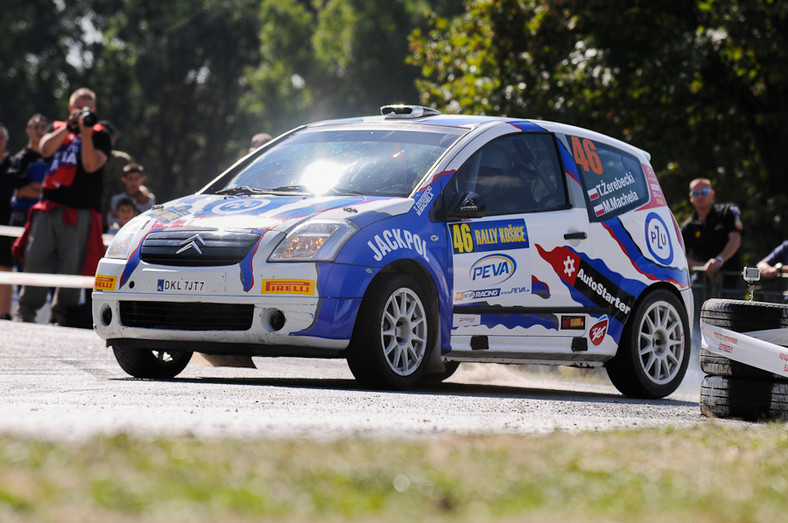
151, 364
654, 350
392, 336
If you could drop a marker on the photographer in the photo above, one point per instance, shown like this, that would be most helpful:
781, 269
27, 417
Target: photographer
64, 229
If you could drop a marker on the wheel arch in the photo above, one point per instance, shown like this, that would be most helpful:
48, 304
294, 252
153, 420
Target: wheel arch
653, 288
422, 276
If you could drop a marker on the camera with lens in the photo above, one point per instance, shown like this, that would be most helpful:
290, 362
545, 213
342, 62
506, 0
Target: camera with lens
88, 117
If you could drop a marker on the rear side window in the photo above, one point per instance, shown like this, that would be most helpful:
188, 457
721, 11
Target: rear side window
613, 179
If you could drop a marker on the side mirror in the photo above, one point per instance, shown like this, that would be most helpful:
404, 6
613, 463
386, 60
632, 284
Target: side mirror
468, 207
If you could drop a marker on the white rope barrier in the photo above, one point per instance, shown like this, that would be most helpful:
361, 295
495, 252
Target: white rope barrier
45, 280
13, 232
16, 232
36, 279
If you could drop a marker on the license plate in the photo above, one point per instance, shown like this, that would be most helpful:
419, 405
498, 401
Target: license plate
163, 282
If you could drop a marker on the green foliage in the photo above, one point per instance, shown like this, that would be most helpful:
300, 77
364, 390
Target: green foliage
699, 84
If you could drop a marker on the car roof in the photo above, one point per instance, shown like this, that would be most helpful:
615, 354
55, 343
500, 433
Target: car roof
474, 121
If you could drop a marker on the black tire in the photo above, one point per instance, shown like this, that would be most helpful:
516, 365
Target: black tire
436, 377
714, 364
151, 364
393, 334
744, 316
747, 399
654, 351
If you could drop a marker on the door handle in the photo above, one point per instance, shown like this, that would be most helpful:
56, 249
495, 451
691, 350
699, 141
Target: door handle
580, 235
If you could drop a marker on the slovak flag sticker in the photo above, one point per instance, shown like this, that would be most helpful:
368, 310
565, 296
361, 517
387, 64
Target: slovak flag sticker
593, 194
599, 210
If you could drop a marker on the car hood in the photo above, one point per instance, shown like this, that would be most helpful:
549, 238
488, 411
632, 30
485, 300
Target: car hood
271, 212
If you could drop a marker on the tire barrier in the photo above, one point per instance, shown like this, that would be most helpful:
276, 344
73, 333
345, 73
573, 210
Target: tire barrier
744, 354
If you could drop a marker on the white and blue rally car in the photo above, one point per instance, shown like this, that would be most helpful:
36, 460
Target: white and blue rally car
407, 243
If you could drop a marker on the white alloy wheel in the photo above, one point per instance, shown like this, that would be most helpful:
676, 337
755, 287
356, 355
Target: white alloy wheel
661, 346
403, 331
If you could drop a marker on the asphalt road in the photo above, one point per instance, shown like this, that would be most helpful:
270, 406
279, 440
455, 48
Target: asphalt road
62, 383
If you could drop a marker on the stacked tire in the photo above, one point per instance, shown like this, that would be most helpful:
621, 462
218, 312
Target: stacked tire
732, 389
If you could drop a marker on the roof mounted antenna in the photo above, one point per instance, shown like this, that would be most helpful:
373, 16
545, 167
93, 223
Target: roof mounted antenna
407, 111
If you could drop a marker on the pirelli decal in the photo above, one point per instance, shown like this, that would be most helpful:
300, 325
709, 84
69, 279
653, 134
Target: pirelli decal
303, 287
105, 283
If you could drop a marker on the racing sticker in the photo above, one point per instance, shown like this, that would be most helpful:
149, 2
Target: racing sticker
658, 239
584, 278
105, 283
489, 236
282, 286
613, 178
481, 275
391, 240
540, 288
573, 323
494, 269
598, 330
426, 197
169, 214
239, 206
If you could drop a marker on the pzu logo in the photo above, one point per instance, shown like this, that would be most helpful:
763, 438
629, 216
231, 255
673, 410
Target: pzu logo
493, 269
658, 239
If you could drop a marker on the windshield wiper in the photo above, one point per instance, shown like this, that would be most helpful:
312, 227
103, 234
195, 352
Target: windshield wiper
241, 189
290, 188
347, 190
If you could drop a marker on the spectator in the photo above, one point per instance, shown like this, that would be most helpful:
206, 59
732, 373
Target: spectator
113, 172
8, 182
32, 167
125, 210
63, 233
259, 140
133, 177
712, 236
773, 265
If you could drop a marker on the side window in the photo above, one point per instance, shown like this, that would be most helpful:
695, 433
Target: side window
613, 179
513, 174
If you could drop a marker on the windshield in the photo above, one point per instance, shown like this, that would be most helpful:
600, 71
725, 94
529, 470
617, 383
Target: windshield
351, 160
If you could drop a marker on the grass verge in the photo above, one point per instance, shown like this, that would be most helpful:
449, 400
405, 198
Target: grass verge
713, 472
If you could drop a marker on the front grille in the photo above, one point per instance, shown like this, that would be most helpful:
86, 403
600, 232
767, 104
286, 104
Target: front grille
186, 316
197, 248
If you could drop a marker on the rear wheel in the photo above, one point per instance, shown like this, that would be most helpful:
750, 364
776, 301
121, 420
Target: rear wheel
151, 364
393, 334
654, 350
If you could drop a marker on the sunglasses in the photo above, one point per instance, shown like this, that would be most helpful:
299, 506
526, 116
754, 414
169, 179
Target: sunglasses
704, 192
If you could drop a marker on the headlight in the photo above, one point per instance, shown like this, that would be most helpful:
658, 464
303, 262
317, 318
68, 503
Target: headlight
314, 240
121, 244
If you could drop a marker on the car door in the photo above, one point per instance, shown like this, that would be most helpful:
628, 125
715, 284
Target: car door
513, 230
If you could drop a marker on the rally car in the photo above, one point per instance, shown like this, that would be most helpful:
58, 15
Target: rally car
406, 243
